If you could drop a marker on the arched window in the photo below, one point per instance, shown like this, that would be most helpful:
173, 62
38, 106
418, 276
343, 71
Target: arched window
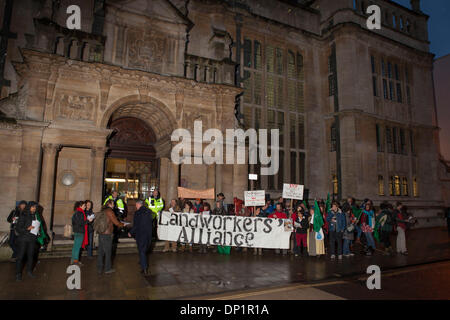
380, 185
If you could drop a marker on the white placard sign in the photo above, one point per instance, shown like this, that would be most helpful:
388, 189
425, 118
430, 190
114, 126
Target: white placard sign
252, 176
255, 198
236, 231
293, 191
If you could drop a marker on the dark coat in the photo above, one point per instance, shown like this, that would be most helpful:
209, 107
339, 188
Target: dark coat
14, 214
90, 224
78, 222
142, 225
25, 220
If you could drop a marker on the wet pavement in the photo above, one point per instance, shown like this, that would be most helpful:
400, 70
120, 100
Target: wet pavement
194, 275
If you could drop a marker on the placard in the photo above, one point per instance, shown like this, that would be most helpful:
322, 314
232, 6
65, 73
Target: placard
236, 231
293, 191
255, 198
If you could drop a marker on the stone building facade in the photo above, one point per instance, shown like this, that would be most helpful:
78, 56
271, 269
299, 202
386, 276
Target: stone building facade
86, 111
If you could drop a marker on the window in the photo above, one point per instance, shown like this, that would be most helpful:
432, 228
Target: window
397, 186
247, 87
380, 185
391, 90
390, 147
257, 55
404, 186
391, 186
385, 90
372, 62
394, 140
399, 93
335, 184
331, 85
389, 70
247, 53
415, 188
333, 138
299, 66
301, 131
293, 176
379, 140
279, 61
402, 141
396, 72
292, 127
302, 168
269, 59
374, 85
383, 68
411, 142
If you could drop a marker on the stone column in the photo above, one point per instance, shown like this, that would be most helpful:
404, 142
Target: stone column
47, 187
98, 160
172, 190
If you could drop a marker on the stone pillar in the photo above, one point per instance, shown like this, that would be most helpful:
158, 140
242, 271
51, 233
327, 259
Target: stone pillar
172, 190
211, 176
98, 161
47, 187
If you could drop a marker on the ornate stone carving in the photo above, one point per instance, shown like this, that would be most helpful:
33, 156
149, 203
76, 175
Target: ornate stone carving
145, 50
75, 107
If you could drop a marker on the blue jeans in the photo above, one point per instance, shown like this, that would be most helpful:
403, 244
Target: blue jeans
370, 240
90, 246
358, 231
347, 246
77, 242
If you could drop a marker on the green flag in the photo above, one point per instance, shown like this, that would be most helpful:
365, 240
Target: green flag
356, 212
42, 236
306, 204
318, 220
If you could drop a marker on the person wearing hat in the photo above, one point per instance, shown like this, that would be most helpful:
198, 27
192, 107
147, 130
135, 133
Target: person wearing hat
156, 204
13, 218
26, 240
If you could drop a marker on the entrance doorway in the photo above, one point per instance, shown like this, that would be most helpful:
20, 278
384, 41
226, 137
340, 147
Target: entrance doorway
131, 167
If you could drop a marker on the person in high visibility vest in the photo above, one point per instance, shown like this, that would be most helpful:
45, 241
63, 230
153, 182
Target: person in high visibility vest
119, 207
155, 203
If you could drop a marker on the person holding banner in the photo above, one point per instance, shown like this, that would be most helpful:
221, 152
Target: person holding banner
337, 224
172, 245
206, 212
261, 213
188, 208
279, 214
301, 226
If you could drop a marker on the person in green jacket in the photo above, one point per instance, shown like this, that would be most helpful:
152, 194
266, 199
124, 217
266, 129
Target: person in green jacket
385, 222
119, 206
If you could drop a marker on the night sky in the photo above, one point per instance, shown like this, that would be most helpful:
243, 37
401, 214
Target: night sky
438, 24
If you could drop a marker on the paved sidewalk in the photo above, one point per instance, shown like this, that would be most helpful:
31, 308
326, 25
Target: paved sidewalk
181, 275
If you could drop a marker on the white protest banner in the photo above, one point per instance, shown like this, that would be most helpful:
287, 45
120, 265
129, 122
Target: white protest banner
236, 231
293, 191
255, 198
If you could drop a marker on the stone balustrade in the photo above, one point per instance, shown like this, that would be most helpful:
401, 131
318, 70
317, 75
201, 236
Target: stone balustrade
208, 70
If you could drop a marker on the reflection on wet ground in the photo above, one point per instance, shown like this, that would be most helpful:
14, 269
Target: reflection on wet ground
177, 275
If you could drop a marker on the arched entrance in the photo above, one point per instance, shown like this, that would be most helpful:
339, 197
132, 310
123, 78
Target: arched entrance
131, 165
138, 148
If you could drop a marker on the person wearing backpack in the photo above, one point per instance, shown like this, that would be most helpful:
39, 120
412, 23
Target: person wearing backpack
103, 225
386, 222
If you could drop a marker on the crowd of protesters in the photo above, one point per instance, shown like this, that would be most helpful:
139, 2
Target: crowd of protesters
319, 229
323, 228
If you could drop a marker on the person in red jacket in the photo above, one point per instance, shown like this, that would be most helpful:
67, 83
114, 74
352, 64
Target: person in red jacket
279, 214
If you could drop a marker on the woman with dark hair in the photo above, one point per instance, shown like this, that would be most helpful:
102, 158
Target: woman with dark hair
367, 225
206, 211
26, 240
187, 208
80, 231
90, 216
